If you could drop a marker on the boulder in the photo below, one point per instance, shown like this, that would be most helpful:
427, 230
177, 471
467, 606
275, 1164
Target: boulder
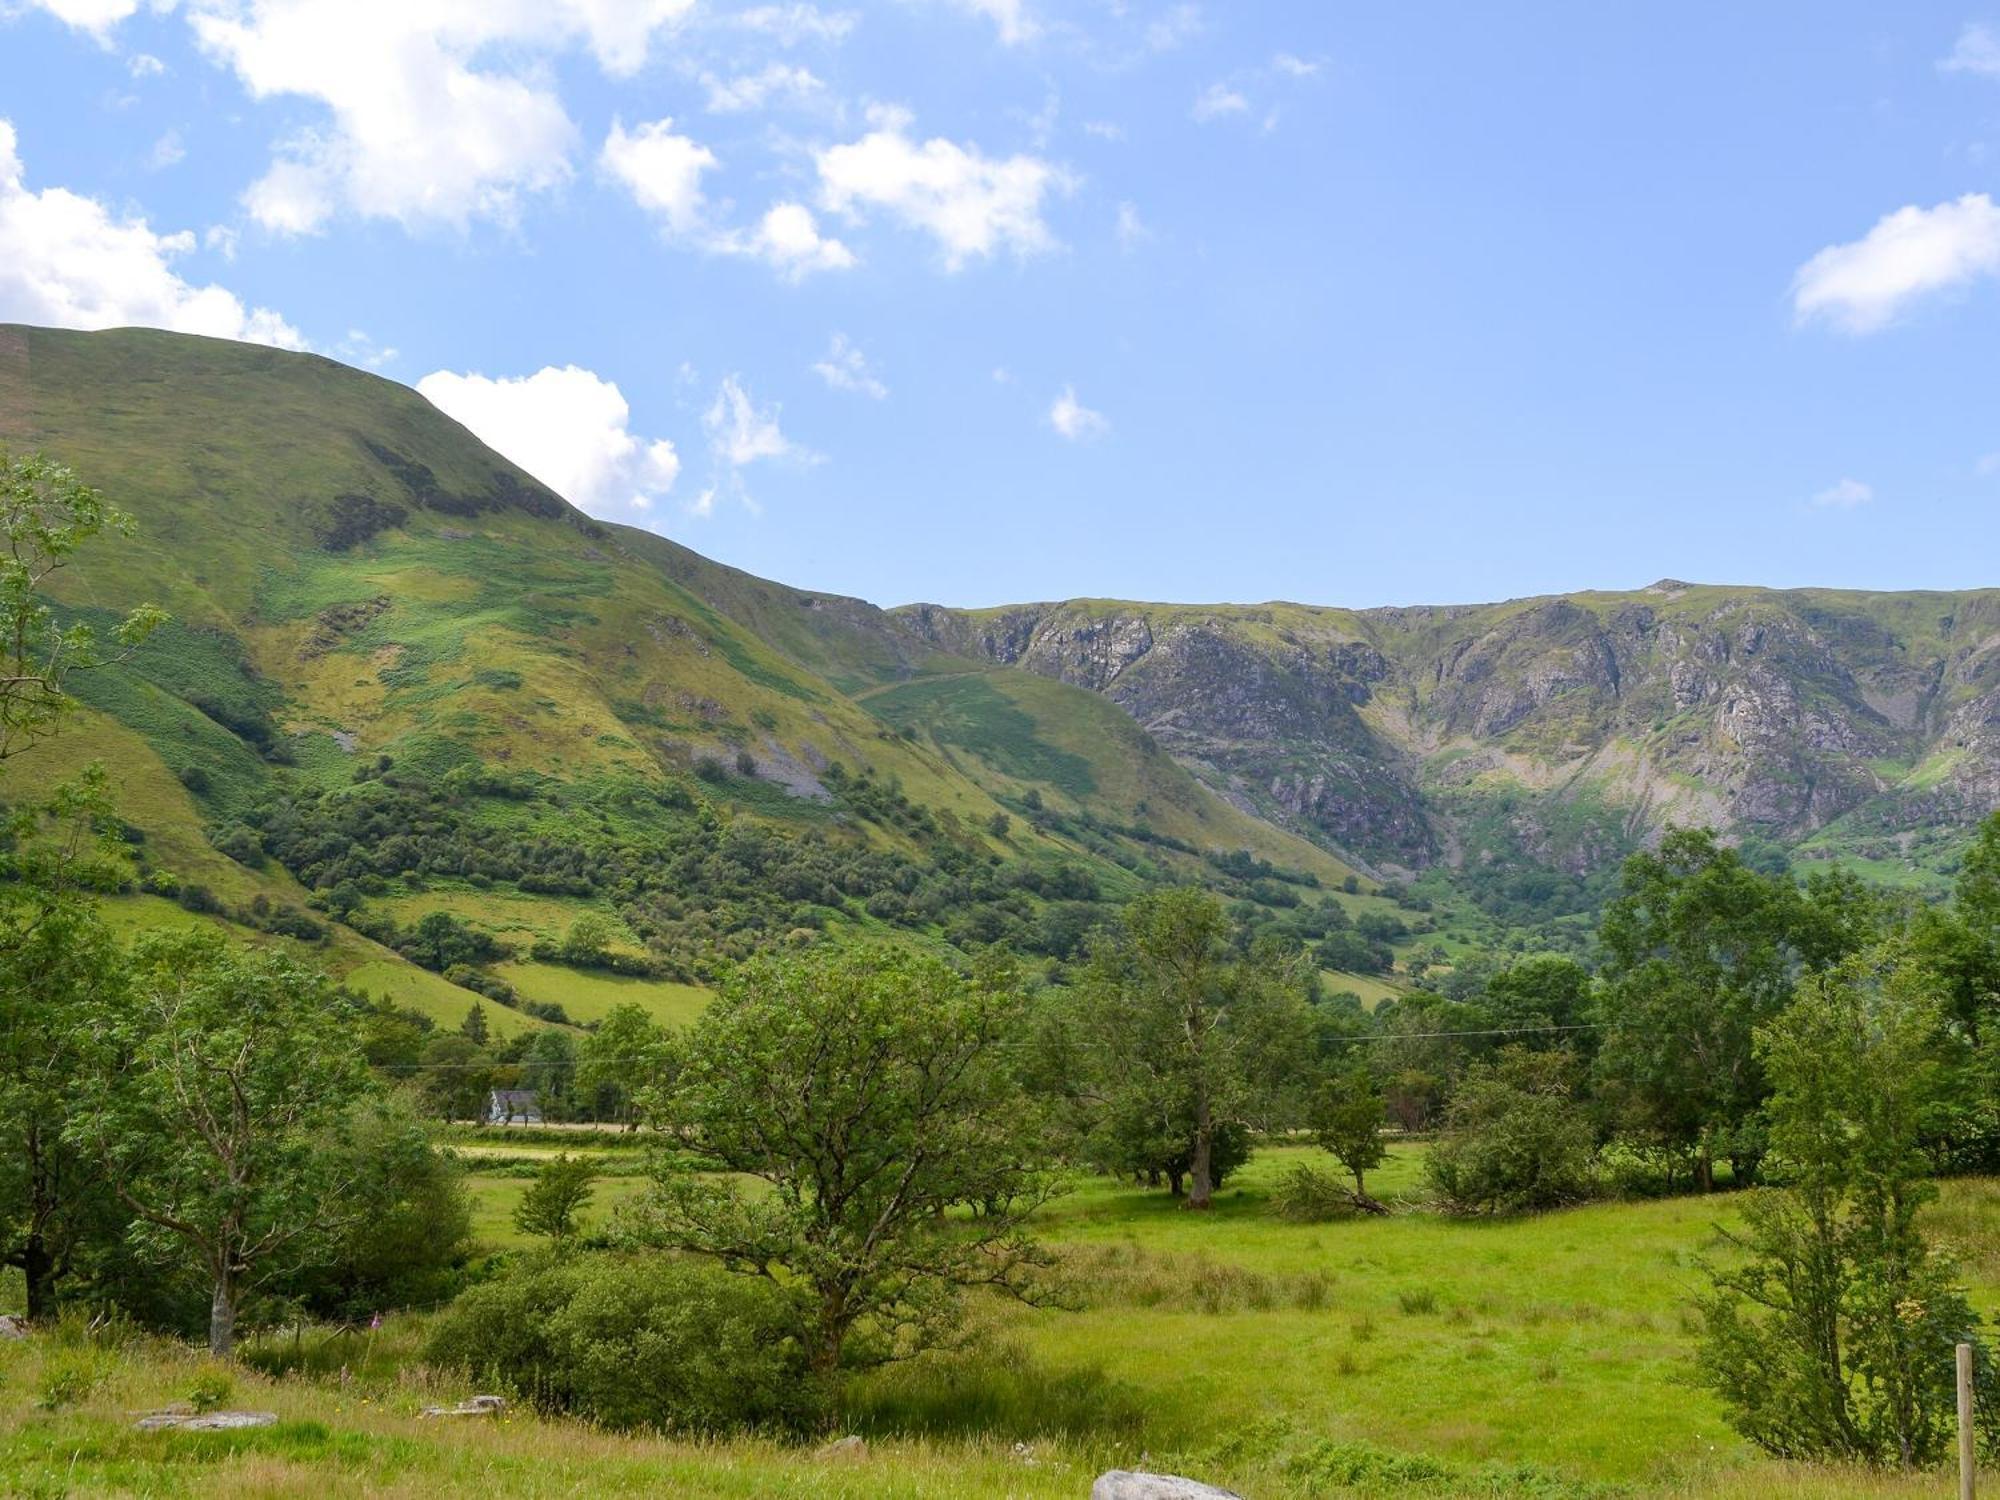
1123, 1484
205, 1421
849, 1449
12, 1327
474, 1406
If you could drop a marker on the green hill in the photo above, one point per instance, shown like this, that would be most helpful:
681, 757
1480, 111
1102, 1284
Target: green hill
405, 679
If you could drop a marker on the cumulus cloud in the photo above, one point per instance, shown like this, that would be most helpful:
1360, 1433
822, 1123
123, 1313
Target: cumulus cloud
1865, 284
973, 205
845, 368
662, 171
439, 111
1075, 421
1844, 495
98, 17
788, 240
69, 261
570, 428
1217, 101
1977, 51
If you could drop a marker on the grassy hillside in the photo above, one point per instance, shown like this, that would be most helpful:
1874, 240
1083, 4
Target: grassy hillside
404, 678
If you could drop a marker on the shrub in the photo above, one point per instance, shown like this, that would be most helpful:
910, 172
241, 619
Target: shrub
634, 1343
69, 1380
1516, 1139
212, 1390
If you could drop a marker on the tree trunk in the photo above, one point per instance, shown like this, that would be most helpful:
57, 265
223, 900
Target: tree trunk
1201, 1183
1704, 1170
1174, 1187
1365, 1203
38, 1268
222, 1316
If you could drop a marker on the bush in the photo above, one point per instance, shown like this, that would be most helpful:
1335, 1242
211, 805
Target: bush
1516, 1139
634, 1343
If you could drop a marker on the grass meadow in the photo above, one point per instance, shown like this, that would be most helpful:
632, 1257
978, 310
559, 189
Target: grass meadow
1545, 1358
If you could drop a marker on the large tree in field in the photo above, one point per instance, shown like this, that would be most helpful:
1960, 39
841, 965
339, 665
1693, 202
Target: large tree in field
1699, 951
871, 1093
1192, 1040
227, 1077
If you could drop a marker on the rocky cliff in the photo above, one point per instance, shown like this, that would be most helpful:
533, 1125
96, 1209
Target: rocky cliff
1801, 716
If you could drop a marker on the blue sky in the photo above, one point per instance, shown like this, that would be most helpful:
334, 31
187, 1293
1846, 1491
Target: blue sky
992, 300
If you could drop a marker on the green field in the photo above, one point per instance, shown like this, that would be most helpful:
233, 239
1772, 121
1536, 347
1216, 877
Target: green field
1544, 1358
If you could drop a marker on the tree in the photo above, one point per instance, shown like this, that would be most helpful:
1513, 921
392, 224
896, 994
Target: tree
1515, 1138
870, 1090
622, 1056
58, 962
457, 1074
1833, 1337
47, 514
1181, 1028
560, 1191
228, 1075
1347, 1119
1700, 950
588, 943
474, 1028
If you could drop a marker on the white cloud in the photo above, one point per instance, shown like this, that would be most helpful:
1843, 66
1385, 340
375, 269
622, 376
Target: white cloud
1075, 421
145, 65
1011, 18
973, 205
845, 368
66, 260
1845, 495
1132, 230
1978, 51
98, 17
741, 434
220, 238
169, 150
788, 25
1863, 286
1104, 130
441, 110
1002, 375
749, 91
1218, 100
662, 170
788, 240
570, 428
1294, 67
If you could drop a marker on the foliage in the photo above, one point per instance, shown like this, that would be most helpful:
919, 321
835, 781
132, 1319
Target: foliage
868, 1090
634, 1342
47, 515
1834, 1337
1309, 1195
224, 1078
1515, 1138
560, 1192
1347, 1120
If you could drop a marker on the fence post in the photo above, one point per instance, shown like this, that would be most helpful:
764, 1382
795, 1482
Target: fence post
1966, 1455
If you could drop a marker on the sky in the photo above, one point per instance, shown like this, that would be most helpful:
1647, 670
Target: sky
984, 301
